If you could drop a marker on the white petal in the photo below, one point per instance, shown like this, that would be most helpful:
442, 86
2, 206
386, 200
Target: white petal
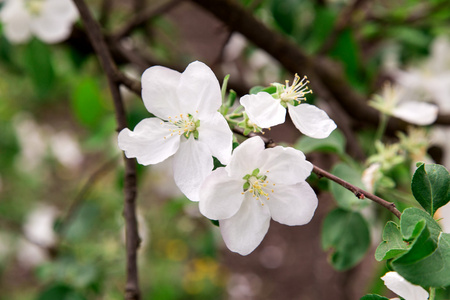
293, 204
403, 288
199, 90
65, 10
245, 157
264, 110
285, 165
159, 85
419, 113
244, 231
220, 195
147, 142
16, 21
50, 30
216, 133
191, 165
311, 120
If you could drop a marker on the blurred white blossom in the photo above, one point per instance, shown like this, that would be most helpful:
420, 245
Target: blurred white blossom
50, 20
394, 102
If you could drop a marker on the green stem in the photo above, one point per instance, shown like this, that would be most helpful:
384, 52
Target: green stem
381, 127
432, 293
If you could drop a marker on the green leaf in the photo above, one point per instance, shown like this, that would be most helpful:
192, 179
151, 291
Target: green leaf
60, 292
38, 63
432, 270
285, 14
344, 198
408, 223
427, 262
373, 297
322, 27
347, 51
347, 233
334, 143
87, 102
392, 244
431, 186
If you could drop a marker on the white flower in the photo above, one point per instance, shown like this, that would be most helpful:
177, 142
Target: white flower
257, 185
370, 176
267, 110
187, 126
431, 79
49, 20
403, 288
393, 102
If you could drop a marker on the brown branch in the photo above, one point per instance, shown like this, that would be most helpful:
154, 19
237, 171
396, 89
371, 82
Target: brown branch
359, 193
132, 238
144, 17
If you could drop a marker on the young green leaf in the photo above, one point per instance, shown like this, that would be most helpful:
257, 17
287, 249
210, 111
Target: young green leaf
431, 186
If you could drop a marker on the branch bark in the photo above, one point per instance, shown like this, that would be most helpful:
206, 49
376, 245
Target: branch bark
97, 40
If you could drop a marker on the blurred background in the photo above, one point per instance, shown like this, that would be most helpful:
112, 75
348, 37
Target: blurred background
61, 172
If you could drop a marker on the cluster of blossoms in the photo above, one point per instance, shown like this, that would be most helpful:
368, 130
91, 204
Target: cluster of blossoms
257, 184
49, 20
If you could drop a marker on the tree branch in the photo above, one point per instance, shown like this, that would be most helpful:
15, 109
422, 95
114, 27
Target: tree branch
144, 17
96, 38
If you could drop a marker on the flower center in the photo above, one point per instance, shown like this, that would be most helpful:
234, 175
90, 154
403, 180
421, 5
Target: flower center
293, 94
257, 185
186, 124
34, 6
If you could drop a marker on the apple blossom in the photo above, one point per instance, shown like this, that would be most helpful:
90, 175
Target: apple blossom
267, 110
187, 125
257, 185
50, 20
393, 102
403, 288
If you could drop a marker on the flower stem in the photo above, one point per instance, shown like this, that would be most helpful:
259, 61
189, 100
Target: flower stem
381, 126
432, 293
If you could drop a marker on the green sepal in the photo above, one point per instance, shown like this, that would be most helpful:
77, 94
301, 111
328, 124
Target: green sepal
255, 172
246, 186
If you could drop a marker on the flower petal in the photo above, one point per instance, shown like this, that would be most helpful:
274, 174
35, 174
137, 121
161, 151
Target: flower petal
419, 113
159, 85
216, 133
221, 196
49, 29
191, 165
293, 204
65, 10
403, 288
311, 120
147, 142
284, 165
245, 157
244, 231
199, 90
16, 21
264, 110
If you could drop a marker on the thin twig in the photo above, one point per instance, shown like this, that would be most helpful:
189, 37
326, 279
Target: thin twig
144, 17
93, 30
359, 193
